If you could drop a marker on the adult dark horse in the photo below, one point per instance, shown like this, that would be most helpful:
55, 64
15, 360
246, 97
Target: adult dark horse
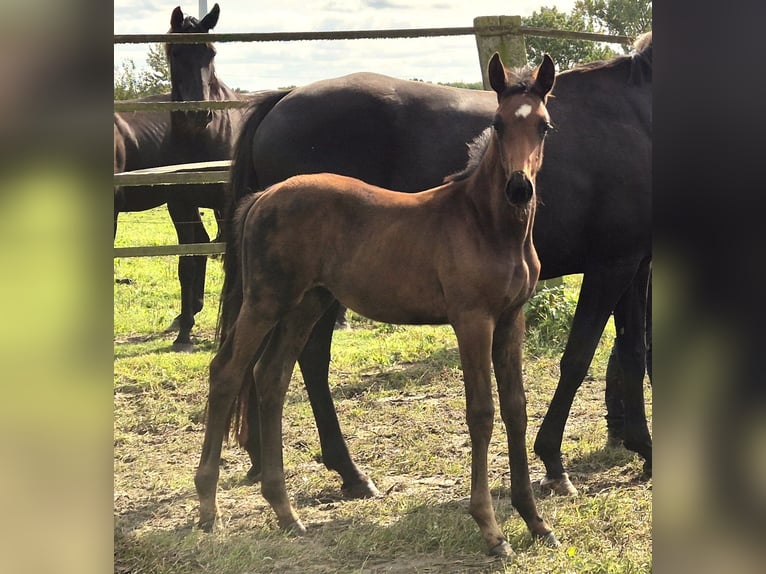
595, 189
477, 278
161, 138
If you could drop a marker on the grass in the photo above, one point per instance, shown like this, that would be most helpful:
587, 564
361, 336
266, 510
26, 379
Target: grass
400, 400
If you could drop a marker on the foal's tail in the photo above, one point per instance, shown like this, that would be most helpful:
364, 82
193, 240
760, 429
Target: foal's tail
243, 181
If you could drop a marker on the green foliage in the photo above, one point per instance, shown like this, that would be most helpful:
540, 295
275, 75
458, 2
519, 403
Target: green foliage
129, 83
621, 17
565, 52
549, 317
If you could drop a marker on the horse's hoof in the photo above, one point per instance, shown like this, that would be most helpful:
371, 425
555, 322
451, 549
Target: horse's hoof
363, 489
549, 540
183, 348
210, 525
502, 550
613, 441
253, 475
296, 528
560, 486
647, 472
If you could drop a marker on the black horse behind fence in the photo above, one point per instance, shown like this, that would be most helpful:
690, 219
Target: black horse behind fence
151, 139
594, 217
461, 253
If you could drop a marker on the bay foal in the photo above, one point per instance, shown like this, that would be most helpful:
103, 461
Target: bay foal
461, 253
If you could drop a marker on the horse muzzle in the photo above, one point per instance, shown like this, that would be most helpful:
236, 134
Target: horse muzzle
519, 189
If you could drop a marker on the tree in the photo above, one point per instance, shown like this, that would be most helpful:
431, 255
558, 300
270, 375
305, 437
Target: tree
129, 83
621, 17
566, 53
624, 17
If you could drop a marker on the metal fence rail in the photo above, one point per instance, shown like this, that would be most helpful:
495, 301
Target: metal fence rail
217, 172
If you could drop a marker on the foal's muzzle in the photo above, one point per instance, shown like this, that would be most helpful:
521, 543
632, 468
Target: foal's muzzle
519, 189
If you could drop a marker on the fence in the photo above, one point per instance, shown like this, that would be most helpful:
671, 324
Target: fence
503, 34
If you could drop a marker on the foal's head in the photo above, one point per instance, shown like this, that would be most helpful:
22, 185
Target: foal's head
520, 124
192, 73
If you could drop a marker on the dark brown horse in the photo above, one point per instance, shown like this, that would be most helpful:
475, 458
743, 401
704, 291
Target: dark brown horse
476, 276
151, 139
595, 216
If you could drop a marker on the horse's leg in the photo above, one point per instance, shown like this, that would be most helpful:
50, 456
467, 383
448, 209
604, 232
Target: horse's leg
227, 374
598, 295
272, 375
474, 337
507, 345
189, 228
314, 363
630, 324
613, 397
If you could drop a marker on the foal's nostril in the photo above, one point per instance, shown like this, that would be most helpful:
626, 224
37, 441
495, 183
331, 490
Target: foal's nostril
519, 189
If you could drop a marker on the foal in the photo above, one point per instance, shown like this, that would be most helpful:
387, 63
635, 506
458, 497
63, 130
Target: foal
461, 253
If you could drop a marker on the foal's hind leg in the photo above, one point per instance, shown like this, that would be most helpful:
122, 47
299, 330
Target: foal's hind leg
314, 363
507, 357
272, 377
227, 374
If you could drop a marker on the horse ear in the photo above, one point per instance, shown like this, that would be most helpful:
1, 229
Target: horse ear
545, 76
496, 73
211, 19
176, 19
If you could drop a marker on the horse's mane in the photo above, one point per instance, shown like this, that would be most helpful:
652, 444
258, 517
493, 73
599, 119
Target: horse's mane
639, 60
476, 150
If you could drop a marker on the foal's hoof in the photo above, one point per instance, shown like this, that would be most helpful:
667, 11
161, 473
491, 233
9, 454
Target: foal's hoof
502, 550
363, 489
549, 540
183, 348
296, 528
560, 486
210, 525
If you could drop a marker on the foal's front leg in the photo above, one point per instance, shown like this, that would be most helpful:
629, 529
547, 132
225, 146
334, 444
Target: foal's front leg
507, 356
474, 337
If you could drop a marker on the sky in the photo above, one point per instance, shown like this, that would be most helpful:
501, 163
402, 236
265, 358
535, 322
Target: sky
268, 65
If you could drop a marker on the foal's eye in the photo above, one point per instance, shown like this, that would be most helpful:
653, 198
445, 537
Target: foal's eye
498, 126
544, 128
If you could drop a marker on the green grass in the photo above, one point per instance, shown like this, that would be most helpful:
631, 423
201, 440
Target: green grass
400, 400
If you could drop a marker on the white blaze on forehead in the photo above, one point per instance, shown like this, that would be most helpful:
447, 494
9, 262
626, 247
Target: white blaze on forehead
523, 111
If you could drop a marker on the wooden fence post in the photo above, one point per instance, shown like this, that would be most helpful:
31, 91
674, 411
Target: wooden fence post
509, 43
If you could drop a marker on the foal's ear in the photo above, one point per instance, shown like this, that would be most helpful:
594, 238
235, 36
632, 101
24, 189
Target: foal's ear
176, 19
545, 76
211, 19
496, 73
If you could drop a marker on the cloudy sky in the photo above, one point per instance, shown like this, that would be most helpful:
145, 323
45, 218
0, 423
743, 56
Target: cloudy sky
265, 65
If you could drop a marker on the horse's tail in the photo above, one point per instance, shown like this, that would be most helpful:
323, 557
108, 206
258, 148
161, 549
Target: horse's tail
242, 181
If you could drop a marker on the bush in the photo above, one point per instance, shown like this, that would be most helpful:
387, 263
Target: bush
549, 317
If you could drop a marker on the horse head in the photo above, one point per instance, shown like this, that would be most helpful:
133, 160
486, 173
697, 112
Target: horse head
520, 124
192, 69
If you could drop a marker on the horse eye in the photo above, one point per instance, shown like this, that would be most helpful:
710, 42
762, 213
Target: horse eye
498, 126
544, 128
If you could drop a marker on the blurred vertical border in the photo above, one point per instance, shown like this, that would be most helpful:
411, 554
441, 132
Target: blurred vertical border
709, 277
55, 291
